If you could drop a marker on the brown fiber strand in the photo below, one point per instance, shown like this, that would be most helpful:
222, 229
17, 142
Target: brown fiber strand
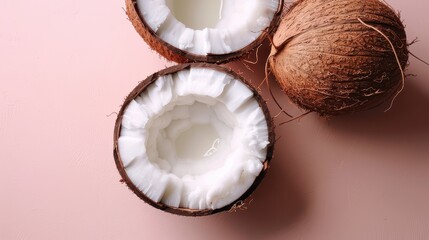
421, 60
266, 79
397, 59
266, 73
240, 205
271, 92
247, 66
296, 118
256, 56
113, 113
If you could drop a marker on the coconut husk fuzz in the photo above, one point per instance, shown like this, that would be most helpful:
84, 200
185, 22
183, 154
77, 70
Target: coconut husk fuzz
174, 54
327, 59
184, 211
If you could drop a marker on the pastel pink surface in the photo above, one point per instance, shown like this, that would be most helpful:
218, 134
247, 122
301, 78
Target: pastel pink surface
65, 66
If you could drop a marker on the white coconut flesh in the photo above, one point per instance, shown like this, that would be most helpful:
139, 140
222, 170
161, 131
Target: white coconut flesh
195, 139
206, 27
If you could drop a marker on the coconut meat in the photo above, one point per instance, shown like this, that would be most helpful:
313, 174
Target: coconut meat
195, 139
208, 26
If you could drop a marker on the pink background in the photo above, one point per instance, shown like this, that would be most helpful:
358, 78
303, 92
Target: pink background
65, 65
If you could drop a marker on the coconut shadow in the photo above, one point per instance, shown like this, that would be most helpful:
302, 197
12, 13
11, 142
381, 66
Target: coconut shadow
405, 123
277, 204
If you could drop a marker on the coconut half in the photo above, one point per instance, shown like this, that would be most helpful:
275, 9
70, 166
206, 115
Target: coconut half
193, 139
204, 30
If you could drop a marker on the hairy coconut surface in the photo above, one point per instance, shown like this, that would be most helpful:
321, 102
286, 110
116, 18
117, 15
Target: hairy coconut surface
124, 120
328, 57
218, 44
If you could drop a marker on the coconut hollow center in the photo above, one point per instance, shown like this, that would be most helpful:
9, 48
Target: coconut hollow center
196, 14
198, 142
192, 146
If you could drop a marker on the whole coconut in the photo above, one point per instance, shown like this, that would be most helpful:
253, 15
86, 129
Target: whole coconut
337, 56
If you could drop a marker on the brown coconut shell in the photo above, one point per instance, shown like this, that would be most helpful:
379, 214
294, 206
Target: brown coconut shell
174, 54
184, 211
327, 61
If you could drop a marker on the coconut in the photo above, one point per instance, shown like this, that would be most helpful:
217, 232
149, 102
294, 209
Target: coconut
214, 31
337, 56
193, 139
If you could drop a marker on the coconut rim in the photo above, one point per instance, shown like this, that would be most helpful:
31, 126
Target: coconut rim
140, 88
184, 56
